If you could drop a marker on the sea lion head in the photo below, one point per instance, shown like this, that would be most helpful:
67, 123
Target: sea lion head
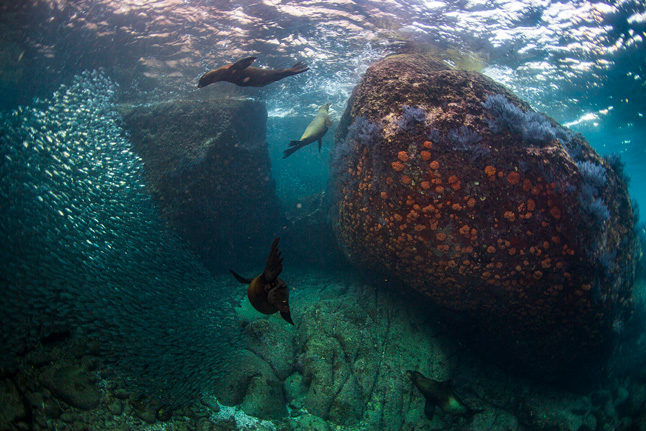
278, 295
210, 77
413, 375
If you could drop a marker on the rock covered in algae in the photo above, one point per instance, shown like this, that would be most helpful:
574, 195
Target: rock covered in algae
449, 182
207, 165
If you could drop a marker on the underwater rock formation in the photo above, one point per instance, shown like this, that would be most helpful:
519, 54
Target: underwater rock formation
347, 359
344, 363
84, 253
207, 166
449, 182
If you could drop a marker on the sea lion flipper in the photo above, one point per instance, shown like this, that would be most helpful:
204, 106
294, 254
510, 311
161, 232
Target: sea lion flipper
239, 278
320, 144
299, 67
242, 64
293, 146
278, 296
429, 410
274, 263
287, 316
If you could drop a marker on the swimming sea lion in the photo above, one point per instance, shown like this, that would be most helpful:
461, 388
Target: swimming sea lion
440, 394
241, 73
314, 131
268, 293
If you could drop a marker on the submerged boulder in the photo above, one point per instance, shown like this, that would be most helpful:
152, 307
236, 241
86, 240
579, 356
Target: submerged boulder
72, 385
206, 163
447, 181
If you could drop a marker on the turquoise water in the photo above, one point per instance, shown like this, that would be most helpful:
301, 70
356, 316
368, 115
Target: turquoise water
581, 63
85, 249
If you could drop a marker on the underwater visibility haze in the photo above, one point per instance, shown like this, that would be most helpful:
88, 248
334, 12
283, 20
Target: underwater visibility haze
448, 191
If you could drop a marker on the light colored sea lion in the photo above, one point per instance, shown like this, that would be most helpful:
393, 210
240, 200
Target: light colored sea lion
268, 293
314, 131
440, 394
241, 73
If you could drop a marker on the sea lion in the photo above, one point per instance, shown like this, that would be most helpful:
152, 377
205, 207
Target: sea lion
242, 74
268, 293
314, 131
440, 394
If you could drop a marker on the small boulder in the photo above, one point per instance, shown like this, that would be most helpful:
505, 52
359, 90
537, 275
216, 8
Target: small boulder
12, 406
144, 411
71, 385
270, 339
115, 407
254, 386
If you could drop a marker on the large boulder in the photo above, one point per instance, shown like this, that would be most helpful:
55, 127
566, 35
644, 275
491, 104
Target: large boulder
206, 164
447, 181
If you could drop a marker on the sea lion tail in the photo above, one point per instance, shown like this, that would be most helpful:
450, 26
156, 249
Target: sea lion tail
287, 316
240, 278
293, 146
299, 67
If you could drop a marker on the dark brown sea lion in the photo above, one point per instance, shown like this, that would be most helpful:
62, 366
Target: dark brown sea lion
268, 293
440, 394
241, 73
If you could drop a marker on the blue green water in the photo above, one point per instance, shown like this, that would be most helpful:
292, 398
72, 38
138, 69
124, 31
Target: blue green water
581, 62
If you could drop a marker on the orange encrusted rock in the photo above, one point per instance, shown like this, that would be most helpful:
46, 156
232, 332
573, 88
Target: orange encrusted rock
513, 178
508, 233
398, 166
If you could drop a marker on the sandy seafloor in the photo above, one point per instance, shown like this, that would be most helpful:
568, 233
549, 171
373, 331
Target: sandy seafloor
344, 360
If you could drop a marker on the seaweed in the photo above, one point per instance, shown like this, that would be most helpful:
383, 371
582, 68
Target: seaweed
466, 140
434, 135
594, 178
592, 173
506, 114
463, 138
535, 128
362, 132
575, 151
411, 116
595, 207
618, 165
365, 132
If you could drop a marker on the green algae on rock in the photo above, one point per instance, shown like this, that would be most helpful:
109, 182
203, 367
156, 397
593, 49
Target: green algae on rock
72, 385
449, 182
